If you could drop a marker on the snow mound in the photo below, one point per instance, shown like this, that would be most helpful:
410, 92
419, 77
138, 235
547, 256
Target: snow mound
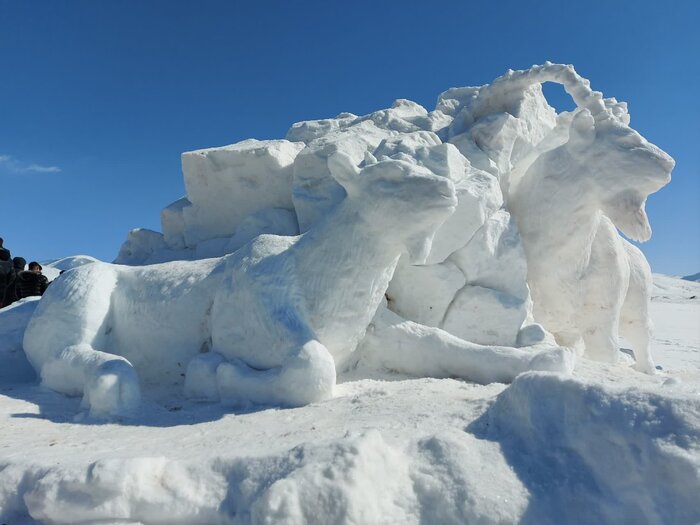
357, 479
53, 269
547, 450
594, 453
14, 367
673, 289
695, 277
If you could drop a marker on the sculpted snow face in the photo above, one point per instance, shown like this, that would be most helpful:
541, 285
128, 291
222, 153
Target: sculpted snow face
643, 168
269, 323
587, 282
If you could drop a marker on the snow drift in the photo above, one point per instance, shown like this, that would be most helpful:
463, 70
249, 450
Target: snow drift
547, 450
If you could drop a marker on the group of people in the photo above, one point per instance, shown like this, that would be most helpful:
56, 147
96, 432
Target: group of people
16, 282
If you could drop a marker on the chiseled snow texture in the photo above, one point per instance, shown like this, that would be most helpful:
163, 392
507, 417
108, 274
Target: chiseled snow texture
263, 179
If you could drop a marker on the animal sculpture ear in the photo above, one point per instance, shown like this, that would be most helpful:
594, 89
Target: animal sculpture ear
344, 171
582, 131
369, 159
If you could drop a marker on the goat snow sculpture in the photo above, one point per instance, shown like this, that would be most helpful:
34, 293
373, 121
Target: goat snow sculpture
277, 316
587, 283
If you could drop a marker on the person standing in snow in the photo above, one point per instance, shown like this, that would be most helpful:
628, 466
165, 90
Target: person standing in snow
31, 282
18, 264
7, 274
4, 252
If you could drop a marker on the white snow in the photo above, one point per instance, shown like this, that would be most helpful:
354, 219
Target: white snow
609, 445
258, 173
333, 271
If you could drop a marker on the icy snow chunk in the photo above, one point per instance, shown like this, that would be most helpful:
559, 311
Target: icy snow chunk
485, 316
493, 309
477, 158
423, 293
399, 117
140, 245
173, 223
309, 130
593, 450
479, 197
229, 183
519, 99
494, 257
496, 125
408, 143
450, 102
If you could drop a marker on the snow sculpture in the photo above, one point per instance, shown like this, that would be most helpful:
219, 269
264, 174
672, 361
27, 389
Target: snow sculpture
587, 282
275, 318
568, 191
508, 154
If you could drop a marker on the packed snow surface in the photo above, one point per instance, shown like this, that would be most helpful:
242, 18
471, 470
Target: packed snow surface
607, 445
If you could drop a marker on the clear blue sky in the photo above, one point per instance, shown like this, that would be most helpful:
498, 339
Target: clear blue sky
98, 99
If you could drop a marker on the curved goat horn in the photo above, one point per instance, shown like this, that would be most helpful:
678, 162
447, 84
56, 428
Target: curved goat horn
574, 84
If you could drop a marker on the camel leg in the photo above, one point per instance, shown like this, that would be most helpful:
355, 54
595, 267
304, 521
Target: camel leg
108, 382
71, 322
200, 378
404, 346
306, 376
637, 332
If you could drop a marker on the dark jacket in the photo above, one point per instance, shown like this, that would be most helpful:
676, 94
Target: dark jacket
30, 283
5, 254
7, 279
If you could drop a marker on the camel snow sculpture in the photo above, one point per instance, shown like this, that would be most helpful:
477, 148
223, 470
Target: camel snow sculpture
275, 318
591, 176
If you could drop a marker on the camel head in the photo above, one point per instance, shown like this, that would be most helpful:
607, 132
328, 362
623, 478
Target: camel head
622, 165
403, 202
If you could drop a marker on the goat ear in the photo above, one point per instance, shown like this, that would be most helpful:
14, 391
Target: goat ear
582, 132
344, 171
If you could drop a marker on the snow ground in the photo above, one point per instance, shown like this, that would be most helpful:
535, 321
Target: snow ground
609, 445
